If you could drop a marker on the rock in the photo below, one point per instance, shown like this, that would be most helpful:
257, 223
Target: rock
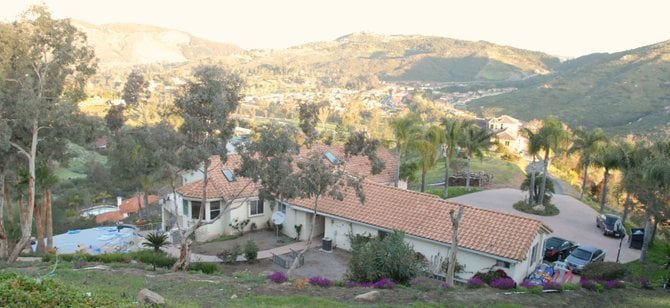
368, 297
146, 296
234, 296
539, 208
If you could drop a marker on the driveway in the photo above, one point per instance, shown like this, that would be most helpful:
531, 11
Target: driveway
576, 221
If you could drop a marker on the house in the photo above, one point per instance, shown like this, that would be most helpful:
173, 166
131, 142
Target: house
225, 185
507, 130
487, 239
130, 205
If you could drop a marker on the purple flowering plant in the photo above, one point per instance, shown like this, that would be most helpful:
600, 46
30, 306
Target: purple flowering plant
277, 277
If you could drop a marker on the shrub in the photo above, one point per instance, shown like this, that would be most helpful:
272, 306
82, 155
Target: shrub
68, 257
239, 225
48, 257
475, 283
20, 291
503, 283
374, 259
301, 283
646, 284
588, 284
570, 286
356, 284
113, 257
612, 284
277, 277
604, 271
536, 290
156, 259
553, 285
250, 251
384, 283
204, 267
230, 256
320, 281
490, 276
155, 240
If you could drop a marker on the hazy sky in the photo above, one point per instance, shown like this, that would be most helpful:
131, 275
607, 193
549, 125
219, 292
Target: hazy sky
558, 27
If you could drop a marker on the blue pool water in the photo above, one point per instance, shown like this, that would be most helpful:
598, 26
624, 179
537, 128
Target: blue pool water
94, 240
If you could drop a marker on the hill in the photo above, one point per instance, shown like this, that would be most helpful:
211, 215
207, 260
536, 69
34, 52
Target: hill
130, 44
624, 92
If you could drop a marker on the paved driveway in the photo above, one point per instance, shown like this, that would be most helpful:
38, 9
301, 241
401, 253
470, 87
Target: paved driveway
576, 221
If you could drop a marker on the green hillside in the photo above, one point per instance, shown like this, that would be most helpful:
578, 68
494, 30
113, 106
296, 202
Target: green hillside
624, 92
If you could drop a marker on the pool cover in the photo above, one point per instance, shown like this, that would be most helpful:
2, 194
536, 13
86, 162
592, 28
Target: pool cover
94, 240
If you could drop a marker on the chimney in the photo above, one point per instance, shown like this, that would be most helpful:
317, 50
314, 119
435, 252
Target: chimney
119, 200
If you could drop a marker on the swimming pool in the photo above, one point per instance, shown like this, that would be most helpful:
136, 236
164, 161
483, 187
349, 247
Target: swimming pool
94, 240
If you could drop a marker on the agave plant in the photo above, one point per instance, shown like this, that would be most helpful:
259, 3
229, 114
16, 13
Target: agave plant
156, 240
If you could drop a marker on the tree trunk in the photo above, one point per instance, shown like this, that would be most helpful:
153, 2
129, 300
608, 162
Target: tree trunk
467, 176
654, 228
545, 164
39, 226
647, 233
455, 220
446, 175
50, 229
423, 180
26, 224
397, 178
626, 206
139, 205
8, 202
308, 243
531, 188
3, 235
184, 260
584, 178
603, 197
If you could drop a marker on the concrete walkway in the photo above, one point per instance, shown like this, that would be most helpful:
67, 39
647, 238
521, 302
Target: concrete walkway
173, 250
576, 220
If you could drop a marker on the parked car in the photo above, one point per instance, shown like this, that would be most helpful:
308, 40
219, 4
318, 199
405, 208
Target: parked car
584, 255
611, 225
557, 249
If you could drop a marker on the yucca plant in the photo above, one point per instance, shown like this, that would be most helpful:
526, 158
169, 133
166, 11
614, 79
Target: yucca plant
156, 240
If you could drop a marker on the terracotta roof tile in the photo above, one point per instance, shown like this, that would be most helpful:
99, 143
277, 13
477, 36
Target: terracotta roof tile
427, 216
130, 205
109, 216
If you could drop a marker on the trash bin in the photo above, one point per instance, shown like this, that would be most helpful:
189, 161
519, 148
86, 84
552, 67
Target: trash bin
636, 238
327, 244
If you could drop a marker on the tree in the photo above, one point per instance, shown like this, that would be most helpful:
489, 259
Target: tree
406, 130
115, 118
534, 146
552, 137
309, 117
474, 142
427, 147
453, 132
136, 94
205, 104
51, 63
608, 158
156, 241
587, 144
455, 221
533, 186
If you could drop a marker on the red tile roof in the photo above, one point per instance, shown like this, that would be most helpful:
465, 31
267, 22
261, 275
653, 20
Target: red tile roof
427, 216
130, 205
220, 187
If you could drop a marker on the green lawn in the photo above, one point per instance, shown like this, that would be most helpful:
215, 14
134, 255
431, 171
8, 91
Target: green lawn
654, 268
505, 173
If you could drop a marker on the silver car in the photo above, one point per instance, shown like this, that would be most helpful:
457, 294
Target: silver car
584, 255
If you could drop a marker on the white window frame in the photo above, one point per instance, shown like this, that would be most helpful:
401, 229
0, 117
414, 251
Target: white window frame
210, 209
197, 213
262, 207
281, 207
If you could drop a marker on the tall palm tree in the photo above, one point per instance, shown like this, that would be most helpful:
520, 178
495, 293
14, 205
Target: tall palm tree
406, 130
475, 141
427, 149
609, 159
453, 133
587, 144
552, 139
534, 147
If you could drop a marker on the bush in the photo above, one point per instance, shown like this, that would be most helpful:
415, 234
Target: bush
552, 285
320, 281
612, 284
570, 286
250, 251
156, 240
230, 256
646, 284
503, 283
156, 259
277, 277
490, 276
604, 271
475, 283
588, 284
301, 283
356, 284
115, 257
21, 291
374, 259
204, 267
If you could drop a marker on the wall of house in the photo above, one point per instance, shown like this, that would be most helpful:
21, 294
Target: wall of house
526, 267
435, 253
191, 176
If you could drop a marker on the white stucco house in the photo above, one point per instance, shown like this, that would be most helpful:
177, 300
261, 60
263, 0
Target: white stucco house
487, 239
507, 130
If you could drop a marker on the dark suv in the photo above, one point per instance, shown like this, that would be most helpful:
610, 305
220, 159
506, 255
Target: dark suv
611, 225
556, 249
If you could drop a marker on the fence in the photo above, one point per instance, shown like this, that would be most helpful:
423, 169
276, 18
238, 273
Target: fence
286, 260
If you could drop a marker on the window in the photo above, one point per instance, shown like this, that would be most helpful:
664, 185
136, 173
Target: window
533, 254
502, 264
507, 143
281, 206
214, 209
256, 207
195, 209
382, 234
184, 207
230, 176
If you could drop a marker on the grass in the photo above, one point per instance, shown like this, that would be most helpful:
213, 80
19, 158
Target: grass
654, 268
504, 173
225, 237
453, 191
549, 209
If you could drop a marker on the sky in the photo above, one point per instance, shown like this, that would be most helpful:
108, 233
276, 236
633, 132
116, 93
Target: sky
568, 28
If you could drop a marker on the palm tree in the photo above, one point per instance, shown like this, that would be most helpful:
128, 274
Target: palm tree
534, 146
156, 240
552, 137
453, 132
475, 141
406, 130
427, 150
609, 159
587, 143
